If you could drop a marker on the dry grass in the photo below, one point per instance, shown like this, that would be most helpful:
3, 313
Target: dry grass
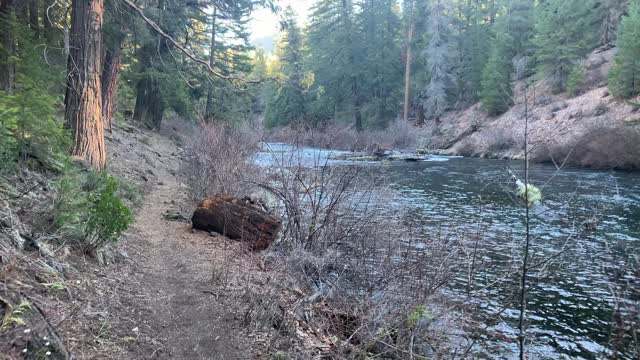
601, 147
397, 136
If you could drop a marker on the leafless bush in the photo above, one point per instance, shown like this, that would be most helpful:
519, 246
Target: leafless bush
500, 140
220, 160
600, 109
602, 147
398, 135
467, 148
561, 105
371, 283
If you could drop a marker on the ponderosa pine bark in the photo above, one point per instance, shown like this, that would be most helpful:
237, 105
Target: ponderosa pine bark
110, 73
83, 98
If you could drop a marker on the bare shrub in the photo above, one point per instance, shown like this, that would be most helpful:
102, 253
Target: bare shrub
500, 140
467, 148
398, 135
371, 281
220, 160
600, 109
602, 147
561, 105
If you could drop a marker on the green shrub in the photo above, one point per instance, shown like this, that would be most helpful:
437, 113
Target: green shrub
108, 216
576, 80
93, 216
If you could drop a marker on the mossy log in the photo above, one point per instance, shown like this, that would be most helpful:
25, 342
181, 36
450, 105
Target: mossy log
238, 219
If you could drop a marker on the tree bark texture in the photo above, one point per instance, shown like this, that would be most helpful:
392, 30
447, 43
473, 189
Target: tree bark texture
83, 99
110, 73
237, 219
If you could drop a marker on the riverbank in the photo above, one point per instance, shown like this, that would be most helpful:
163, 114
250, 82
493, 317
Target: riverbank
591, 129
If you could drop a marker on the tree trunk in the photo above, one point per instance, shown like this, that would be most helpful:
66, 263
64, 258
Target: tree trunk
407, 66
83, 99
109, 85
357, 113
46, 20
237, 219
7, 66
420, 115
149, 107
22, 11
33, 17
212, 61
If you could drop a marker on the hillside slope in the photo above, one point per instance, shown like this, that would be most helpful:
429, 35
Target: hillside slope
591, 129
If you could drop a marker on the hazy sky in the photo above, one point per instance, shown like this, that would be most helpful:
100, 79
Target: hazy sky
266, 24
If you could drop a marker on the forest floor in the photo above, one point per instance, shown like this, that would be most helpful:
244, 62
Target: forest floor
167, 292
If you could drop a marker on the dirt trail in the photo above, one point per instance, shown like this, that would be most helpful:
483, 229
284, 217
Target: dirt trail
173, 269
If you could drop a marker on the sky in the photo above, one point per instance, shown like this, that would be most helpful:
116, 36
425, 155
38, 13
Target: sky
265, 24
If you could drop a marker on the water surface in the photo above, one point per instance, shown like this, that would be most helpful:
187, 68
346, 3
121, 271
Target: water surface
588, 223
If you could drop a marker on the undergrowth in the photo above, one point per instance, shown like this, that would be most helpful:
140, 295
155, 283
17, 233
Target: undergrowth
95, 215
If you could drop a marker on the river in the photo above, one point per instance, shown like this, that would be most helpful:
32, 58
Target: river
588, 225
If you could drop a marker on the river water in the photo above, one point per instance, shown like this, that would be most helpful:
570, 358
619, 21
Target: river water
585, 235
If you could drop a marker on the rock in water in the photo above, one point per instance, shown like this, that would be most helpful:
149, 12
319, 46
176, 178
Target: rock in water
238, 219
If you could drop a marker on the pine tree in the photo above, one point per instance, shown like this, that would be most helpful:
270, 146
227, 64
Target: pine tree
474, 23
520, 27
83, 99
496, 92
610, 12
564, 35
624, 78
437, 93
288, 104
381, 66
512, 42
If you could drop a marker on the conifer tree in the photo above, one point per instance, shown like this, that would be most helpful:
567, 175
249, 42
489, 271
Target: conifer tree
288, 105
437, 93
624, 78
564, 35
496, 92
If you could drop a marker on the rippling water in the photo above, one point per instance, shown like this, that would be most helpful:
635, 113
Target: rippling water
570, 302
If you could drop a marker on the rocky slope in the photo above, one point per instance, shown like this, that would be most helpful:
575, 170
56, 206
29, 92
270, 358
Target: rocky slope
590, 129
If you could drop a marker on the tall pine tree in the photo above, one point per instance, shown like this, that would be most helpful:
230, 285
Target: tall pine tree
288, 104
564, 35
624, 79
496, 94
437, 93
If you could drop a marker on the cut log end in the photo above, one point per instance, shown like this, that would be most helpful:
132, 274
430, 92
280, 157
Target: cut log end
238, 219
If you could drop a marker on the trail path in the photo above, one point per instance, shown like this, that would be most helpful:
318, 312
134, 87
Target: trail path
173, 269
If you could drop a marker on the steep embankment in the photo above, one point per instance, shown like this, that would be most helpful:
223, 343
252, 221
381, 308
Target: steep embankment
591, 129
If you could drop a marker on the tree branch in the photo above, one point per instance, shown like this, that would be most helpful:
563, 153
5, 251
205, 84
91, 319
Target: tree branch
180, 47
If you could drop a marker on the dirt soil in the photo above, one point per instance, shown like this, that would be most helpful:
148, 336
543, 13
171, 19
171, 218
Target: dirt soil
166, 292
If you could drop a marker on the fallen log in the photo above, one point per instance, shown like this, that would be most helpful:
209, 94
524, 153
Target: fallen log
238, 219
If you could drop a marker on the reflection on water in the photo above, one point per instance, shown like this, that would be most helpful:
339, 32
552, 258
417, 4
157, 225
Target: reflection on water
570, 303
